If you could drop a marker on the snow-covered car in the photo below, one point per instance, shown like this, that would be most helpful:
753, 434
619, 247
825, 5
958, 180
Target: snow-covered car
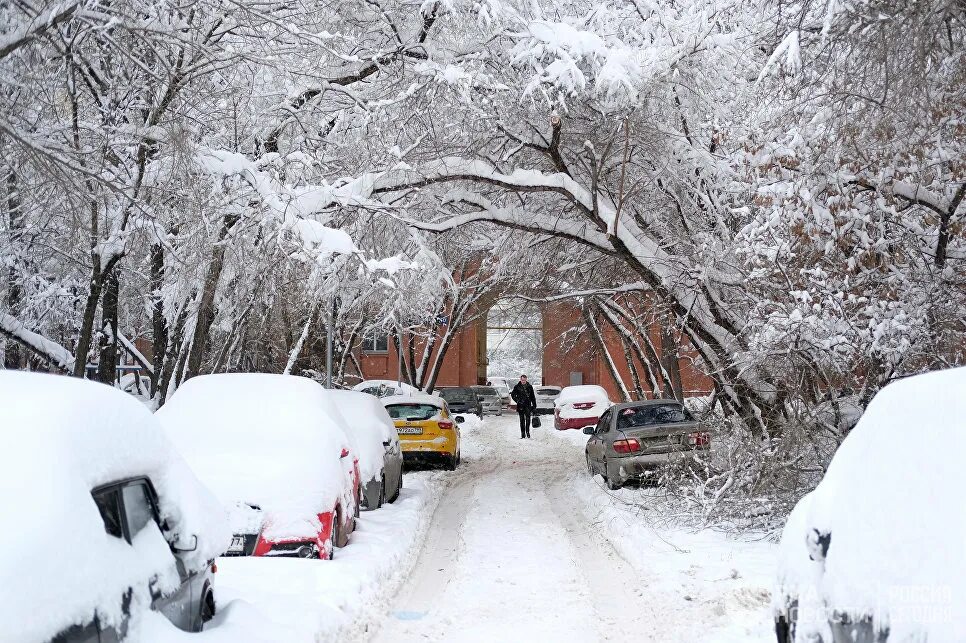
877, 551
103, 520
385, 388
580, 406
427, 430
546, 396
374, 437
274, 450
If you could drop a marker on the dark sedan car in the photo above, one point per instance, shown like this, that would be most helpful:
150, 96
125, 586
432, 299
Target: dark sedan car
462, 399
634, 438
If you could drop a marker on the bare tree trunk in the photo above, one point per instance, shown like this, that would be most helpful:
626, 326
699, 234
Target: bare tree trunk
602, 347
171, 356
206, 301
669, 357
297, 349
107, 358
14, 356
159, 342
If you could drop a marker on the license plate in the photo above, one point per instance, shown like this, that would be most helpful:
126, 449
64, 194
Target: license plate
409, 430
237, 544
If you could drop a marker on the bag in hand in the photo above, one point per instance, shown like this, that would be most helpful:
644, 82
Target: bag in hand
535, 422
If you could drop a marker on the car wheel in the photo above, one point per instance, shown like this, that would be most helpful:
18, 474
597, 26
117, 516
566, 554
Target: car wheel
207, 607
334, 534
399, 486
610, 484
358, 508
590, 466
451, 462
382, 492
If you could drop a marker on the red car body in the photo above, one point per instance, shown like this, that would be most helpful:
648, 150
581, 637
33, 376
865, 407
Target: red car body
563, 424
594, 411
323, 543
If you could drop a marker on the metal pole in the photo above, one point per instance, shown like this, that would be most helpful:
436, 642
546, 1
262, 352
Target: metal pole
398, 357
328, 345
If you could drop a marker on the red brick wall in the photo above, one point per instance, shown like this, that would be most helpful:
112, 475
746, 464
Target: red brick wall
567, 350
459, 365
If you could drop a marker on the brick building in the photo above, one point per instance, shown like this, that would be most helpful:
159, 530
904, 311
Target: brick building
570, 356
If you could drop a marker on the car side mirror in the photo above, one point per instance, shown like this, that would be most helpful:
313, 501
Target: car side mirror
185, 545
387, 443
460, 419
345, 452
589, 430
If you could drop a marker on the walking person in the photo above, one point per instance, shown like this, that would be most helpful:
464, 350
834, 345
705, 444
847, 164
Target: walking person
526, 401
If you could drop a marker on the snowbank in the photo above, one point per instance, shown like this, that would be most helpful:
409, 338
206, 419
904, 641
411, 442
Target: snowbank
62, 438
267, 440
891, 502
368, 426
471, 421
305, 601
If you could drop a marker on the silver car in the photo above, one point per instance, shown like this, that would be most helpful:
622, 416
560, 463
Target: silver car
492, 401
634, 438
546, 396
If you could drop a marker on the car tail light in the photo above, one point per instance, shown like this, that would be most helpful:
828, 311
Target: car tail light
631, 445
583, 406
445, 424
700, 439
214, 568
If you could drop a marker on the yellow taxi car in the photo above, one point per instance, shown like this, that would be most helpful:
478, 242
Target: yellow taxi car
427, 430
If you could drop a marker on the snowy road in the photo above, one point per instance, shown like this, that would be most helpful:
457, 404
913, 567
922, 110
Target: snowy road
510, 556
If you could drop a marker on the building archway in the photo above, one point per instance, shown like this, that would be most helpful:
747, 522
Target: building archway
511, 341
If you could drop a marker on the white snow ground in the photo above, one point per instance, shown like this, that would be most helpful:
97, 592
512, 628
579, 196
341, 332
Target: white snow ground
525, 546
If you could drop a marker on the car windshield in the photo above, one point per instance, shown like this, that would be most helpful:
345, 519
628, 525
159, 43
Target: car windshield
636, 416
412, 412
547, 391
485, 390
455, 394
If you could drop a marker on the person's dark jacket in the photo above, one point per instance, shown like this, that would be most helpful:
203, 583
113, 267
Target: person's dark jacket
524, 396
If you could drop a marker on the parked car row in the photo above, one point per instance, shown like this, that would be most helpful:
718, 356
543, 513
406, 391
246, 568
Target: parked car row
232, 465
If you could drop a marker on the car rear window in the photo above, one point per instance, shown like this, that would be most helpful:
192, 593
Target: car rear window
485, 390
636, 416
412, 412
547, 391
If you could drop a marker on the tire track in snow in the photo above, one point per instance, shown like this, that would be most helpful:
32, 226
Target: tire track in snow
508, 558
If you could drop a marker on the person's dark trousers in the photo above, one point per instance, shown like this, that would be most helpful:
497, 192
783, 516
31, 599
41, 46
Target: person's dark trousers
524, 423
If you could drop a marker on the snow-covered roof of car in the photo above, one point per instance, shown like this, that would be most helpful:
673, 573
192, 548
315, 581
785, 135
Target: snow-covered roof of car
62, 437
583, 392
415, 398
389, 384
368, 427
270, 440
891, 501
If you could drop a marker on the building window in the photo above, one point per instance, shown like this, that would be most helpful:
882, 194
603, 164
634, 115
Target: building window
375, 343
